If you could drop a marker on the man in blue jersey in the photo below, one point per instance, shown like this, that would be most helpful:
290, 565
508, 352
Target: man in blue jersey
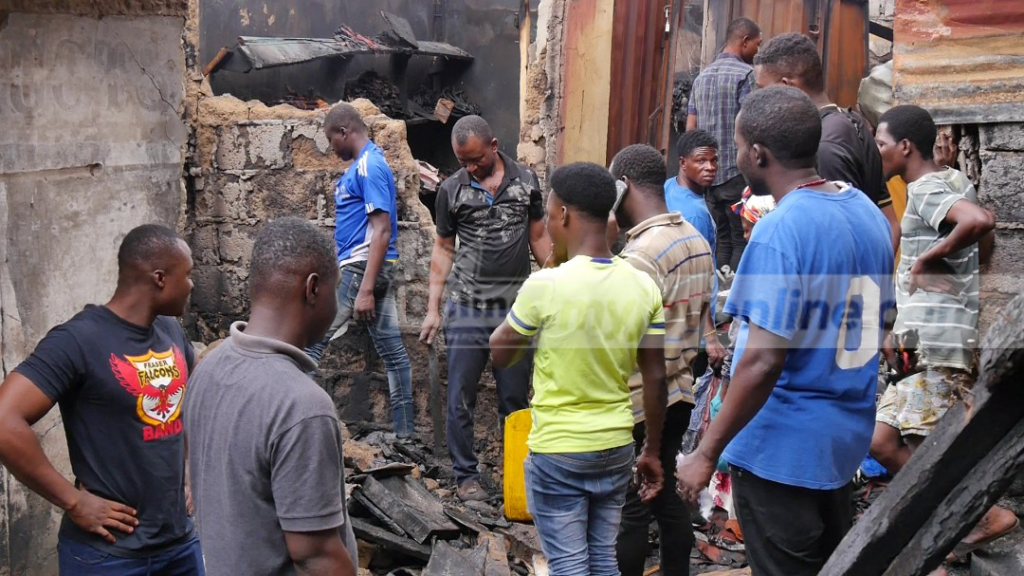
366, 228
813, 289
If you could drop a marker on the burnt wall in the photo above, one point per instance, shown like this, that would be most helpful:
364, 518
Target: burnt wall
486, 29
1001, 160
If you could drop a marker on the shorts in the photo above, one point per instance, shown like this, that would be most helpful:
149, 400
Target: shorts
915, 404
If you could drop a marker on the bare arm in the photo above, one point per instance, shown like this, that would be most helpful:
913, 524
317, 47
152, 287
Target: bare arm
651, 358
751, 385
986, 246
22, 404
712, 345
894, 226
380, 223
971, 223
540, 244
441, 259
508, 346
319, 553
691, 122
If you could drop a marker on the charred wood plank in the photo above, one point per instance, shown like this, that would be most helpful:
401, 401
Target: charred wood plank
377, 513
449, 561
932, 494
389, 541
410, 505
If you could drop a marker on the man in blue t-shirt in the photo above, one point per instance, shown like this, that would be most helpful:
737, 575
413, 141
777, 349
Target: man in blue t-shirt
366, 228
698, 165
814, 288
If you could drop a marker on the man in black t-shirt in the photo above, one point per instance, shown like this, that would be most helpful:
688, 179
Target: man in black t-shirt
847, 151
118, 373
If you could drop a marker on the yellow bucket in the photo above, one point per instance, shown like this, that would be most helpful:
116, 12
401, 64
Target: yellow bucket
517, 429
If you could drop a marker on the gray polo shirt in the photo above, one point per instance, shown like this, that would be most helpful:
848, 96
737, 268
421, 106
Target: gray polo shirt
493, 258
265, 455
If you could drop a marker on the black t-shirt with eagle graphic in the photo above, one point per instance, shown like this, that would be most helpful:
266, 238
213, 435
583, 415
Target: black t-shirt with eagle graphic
120, 388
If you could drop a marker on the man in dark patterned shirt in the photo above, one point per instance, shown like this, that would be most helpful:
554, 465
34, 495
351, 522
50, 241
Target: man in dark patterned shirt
495, 207
714, 104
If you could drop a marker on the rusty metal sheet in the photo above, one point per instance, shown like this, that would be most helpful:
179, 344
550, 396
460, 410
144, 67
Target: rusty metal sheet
270, 52
640, 75
963, 60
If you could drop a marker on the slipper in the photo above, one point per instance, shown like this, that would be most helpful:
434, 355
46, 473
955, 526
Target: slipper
963, 549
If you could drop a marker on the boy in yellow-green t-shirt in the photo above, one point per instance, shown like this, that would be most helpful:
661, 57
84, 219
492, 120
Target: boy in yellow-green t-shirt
593, 318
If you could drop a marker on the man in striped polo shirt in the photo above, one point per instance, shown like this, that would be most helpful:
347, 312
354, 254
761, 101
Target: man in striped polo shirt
946, 236
678, 258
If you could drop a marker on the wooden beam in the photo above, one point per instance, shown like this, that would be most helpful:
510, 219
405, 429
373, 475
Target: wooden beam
410, 505
370, 533
975, 442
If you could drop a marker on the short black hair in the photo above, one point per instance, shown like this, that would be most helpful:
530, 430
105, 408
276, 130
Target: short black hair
913, 123
586, 187
344, 115
286, 249
694, 139
795, 56
740, 28
784, 120
469, 126
149, 244
643, 165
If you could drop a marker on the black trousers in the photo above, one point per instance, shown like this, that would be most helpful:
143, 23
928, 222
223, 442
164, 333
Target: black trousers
729, 227
787, 530
676, 532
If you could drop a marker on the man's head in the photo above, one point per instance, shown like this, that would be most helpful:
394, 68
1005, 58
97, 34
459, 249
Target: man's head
791, 59
582, 195
743, 38
642, 169
294, 269
905, 134
475, 146
698, 157
155, 259
777, 131
342, 126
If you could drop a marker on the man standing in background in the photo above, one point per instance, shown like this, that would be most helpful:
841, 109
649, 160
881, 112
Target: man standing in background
847, 151
366, 228
714, 104
495, 207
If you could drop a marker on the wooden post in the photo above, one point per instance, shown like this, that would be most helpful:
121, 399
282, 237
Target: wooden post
960, 470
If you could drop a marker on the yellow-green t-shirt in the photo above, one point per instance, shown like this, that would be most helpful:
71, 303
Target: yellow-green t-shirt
590, 315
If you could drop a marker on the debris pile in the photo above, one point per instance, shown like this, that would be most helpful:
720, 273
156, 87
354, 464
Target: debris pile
408, 521
378, 90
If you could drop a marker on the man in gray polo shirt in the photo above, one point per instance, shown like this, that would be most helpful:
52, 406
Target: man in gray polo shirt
264, 442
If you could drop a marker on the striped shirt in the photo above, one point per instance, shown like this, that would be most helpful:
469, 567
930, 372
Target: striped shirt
944, 323
715, 101
678, 258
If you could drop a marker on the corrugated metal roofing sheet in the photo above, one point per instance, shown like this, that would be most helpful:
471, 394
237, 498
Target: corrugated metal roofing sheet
963, 60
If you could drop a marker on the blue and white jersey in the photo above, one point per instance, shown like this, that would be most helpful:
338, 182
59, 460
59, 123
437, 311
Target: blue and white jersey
818, 273
366, 187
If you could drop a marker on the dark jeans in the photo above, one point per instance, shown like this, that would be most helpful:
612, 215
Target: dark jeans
386, 335
789, 531
676, 532
728, 224
467, 333
77, 559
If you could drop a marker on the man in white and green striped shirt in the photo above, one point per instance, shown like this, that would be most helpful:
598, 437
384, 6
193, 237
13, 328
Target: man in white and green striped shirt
945, 238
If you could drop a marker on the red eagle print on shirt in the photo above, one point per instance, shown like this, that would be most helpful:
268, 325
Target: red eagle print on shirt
157, 379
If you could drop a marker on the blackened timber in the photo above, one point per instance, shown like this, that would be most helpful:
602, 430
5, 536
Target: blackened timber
410, 505
389, 541
971, 438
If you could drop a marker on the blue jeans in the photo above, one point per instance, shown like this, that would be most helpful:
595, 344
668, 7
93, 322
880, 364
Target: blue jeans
467, 335
386, 335
77, 559
576, 503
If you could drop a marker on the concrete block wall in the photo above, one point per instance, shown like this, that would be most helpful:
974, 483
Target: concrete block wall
1001, 190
